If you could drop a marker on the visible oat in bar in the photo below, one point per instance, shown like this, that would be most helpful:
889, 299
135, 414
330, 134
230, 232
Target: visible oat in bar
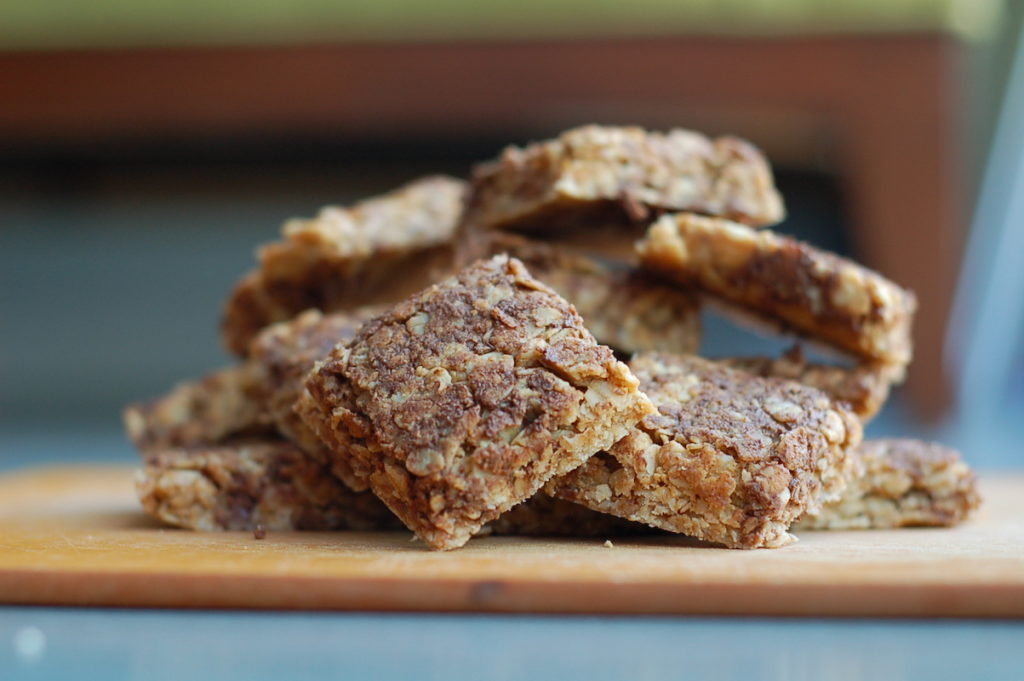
729, 457
463, 400
900, 483
816, 293
376, 251
597, 175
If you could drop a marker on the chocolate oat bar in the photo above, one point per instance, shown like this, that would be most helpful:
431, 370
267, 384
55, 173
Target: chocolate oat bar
625, 308
461, 401
592, 177
729, 457
900, 483
817, 293
864, 387
376, 251
246, 484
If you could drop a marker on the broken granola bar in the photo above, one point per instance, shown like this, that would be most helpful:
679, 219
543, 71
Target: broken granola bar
817, 293
598, 176
900, 483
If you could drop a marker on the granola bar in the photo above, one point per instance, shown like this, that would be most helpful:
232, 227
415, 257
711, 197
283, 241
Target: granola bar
596, 175
864, 387
218, 406
463, 400
626, 309
817, 293
900, 483
376, 251
729, 457
244, 484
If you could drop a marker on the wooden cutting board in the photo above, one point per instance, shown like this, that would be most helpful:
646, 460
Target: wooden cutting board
76, 536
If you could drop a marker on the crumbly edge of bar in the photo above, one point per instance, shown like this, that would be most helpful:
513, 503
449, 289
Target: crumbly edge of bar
641, 172
821, 294
248, 483
901, 483
444, 501
623, 308
863, 387
693, 480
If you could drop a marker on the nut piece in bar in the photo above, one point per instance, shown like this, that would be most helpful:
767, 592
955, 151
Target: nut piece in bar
817, 293
282, 355
376, 251
729, 457
900, 483
243, 484
864, 387
594, 176
222, 404
625, 308
463, 400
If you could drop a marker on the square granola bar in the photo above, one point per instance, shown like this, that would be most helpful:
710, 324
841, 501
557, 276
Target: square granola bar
376, 251
463, 400
820, 294
900, 483
598, 175
728, 457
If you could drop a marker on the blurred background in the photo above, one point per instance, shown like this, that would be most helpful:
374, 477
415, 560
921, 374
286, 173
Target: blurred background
148, 146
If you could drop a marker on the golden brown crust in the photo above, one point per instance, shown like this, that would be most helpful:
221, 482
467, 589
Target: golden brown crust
864, 387
626, 309
282, 355
817, 293
463, 400
617, 175
248, 483
900, 483
376, 251
729, 458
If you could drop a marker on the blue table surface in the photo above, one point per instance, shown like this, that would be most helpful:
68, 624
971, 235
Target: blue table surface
85, 643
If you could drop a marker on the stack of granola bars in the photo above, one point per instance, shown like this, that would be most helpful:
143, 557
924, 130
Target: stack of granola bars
517, 354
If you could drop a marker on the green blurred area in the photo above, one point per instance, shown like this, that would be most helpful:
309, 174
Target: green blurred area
61, 24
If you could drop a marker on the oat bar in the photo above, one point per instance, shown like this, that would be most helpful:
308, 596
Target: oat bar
596, 175
376, 251
463, 400
248, 483
816, 293
864, 387
728, 457
900, 483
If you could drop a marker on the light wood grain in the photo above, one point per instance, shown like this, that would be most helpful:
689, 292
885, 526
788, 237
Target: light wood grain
75, 536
